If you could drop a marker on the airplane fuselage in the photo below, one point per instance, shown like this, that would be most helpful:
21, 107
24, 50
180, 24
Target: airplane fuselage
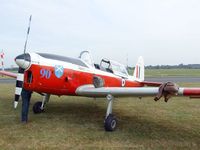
52, 74
60, 77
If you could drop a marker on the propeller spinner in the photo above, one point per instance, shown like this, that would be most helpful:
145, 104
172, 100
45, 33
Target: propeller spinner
23, 60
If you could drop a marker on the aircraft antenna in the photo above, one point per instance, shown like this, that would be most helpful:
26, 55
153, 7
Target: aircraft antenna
29, 25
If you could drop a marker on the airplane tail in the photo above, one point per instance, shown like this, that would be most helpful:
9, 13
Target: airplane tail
138, 74
2, 60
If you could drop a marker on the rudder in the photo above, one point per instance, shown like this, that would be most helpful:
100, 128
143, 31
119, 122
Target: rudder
138, 74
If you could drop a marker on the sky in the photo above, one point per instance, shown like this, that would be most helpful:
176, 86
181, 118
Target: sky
162, 31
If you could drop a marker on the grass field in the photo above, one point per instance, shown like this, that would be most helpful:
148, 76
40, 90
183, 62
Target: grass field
172, 72
77, 123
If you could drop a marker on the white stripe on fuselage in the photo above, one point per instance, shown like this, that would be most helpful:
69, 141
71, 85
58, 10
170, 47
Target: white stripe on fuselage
39, 60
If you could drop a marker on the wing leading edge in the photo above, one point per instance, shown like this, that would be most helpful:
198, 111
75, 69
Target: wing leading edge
91, 91
9, 74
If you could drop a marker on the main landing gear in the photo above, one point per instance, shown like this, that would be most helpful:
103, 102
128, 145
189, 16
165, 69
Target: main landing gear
110, 122
38, 107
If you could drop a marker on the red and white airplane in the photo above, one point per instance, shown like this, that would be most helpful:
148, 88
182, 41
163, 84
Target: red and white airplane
49, 74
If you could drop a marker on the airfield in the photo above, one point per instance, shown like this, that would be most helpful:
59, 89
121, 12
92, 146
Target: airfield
77, 122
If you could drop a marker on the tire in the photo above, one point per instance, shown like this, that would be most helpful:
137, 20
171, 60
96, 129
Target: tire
37, 108
110, 123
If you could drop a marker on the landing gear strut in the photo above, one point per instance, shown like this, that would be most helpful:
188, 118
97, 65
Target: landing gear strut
110, 122
38, 107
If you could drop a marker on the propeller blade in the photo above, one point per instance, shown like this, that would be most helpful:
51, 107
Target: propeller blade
29, 26
19, 85
23, 61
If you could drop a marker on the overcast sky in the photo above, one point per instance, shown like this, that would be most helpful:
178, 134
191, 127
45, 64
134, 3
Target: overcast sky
162, 31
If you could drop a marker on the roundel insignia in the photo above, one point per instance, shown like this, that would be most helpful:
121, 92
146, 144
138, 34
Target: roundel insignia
123, 82
59, 70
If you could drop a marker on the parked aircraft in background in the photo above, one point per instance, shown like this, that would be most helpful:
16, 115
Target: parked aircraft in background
2, 60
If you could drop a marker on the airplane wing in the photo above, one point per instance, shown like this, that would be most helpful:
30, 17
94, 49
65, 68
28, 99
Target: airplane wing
164, 90
9, 74
91, 91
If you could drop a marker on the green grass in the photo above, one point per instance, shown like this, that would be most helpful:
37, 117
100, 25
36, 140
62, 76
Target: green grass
172, 72
77, 123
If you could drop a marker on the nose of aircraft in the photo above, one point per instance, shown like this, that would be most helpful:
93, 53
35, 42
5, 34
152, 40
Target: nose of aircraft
23, 60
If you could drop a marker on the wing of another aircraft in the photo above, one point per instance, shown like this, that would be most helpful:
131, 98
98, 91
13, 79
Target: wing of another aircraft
9, 74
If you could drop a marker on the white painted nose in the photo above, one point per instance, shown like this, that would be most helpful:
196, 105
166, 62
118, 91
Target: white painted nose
23, 60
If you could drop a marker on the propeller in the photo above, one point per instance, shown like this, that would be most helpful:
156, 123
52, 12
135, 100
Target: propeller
29, 25
23, 61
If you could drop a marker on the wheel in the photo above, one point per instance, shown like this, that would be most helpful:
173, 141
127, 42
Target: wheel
110, 123
37, 107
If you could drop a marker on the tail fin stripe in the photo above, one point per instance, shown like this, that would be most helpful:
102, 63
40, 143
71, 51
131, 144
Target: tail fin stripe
138, 74
136, 71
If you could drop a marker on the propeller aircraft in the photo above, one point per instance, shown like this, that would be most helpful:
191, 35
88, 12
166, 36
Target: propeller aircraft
50, 74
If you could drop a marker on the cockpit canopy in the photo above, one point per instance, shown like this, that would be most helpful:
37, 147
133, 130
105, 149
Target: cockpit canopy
114, 67
105, 65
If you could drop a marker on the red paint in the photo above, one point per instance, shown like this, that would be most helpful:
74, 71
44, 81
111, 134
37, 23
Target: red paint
2, 55
69, 82
191, 92
136, 71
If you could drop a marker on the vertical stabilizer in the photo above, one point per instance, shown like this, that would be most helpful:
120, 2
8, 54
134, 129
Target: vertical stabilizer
2, 60
138, 74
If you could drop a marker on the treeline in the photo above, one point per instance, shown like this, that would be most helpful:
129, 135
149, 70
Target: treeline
180, 66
